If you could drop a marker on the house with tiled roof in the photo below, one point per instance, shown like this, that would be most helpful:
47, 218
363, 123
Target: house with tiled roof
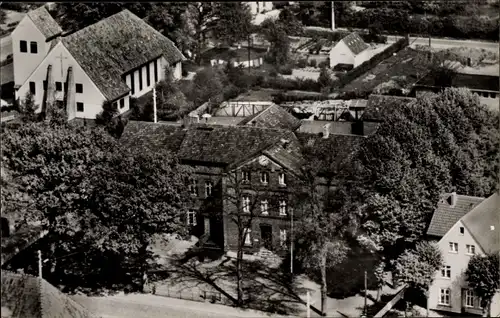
26, 296
263, 160
273, 116
351, 50
462, 226
111, 61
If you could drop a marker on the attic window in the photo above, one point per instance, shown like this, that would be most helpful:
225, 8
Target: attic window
462, 230
34, 47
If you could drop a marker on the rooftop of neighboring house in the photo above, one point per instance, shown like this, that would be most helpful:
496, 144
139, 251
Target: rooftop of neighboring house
44, 22
378, 105
483, 223
450, 209
113, 46
355, 43
273, 116
476, 82
28, 296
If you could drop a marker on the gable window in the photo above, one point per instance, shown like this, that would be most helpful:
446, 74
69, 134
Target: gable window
282, 207
140, 79
281, 179
453, 247
132, 83
264, 177
155, 64
444, 296
79, 88
148, 75
33, 88
122, 102
79, 107
462, 230
193, 187
282, 237
264, 207
33, 47
245, 175
191, 217
471, 249
248, 239
246, 204
208, 188
58, 86
23, 46
446, 271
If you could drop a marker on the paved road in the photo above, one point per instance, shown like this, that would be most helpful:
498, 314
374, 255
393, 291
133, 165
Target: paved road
150, 306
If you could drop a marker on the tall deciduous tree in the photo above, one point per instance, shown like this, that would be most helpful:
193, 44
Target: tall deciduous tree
277, 34
483, 276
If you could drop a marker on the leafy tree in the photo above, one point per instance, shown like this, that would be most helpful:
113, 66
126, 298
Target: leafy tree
277, 34
483, 276
209, 84
379, 274
417, 268
290, 21
28, 108
109, 118
2, 16
325, 78
234, 22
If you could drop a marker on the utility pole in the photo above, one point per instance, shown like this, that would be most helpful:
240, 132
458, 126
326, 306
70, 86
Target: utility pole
40, 263
249, 68
291, 244
333, 17
366, 287
154, 104
308, 305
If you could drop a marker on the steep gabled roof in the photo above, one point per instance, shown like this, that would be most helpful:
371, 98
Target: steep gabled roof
28, 296
148, 136
273, 116
355, 43
44, 22
380, 105
116, 45
483, 223
445, 216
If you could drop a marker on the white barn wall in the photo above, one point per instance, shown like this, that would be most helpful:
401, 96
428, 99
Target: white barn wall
340, 54
91, 96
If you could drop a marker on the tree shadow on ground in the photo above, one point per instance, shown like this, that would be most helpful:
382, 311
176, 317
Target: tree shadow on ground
264, 288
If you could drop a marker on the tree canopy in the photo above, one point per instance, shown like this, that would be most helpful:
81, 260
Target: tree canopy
483, 276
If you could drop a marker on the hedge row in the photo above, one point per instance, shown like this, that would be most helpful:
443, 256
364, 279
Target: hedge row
291, 84
374, 61
401, 22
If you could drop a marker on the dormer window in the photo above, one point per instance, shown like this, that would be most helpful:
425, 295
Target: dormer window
264, 177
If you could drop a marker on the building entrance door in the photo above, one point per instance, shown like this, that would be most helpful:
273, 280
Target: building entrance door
266, 235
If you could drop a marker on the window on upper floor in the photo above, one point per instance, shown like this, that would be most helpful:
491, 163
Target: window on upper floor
453, 247
283, 207
282, 179
444, 296
446, 271
33, 47
191, 217
208, 188
23, 46
470, 249
246, 204
122, 103
248, 238
33, 88
193, 187
264, 177
59, 86
245, 176
462, 230
79, 107
79, 88
264, 207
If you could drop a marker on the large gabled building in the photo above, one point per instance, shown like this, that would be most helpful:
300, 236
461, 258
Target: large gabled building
110, 61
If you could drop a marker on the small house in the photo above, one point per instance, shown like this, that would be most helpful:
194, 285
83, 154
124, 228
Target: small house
351, 50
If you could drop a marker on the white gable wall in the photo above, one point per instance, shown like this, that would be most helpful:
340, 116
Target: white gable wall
341, 54
362, 57
26, 62
458, 262
91, 97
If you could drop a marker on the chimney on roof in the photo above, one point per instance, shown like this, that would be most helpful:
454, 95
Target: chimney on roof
452, 199
326, 131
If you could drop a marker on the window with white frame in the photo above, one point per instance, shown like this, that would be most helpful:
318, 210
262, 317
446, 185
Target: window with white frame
246, 204
446, 271
264, 207
444, 296
453, 247
282, 207
281, 179
208, 188
471, 249
193, 187
264, 177
469, 298
191, 218
282, 237
248, 239
245, 176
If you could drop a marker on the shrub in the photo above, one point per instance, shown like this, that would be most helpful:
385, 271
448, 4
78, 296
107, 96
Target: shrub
312, 63
302, 63
324, 64
285, 70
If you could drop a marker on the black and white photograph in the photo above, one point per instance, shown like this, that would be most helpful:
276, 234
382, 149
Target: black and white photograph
250, 159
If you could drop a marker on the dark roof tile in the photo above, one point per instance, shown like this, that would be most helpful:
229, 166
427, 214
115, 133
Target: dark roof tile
273, 116
44, 22
355, 43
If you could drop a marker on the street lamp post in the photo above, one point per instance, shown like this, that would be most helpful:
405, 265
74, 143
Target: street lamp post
291, 243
